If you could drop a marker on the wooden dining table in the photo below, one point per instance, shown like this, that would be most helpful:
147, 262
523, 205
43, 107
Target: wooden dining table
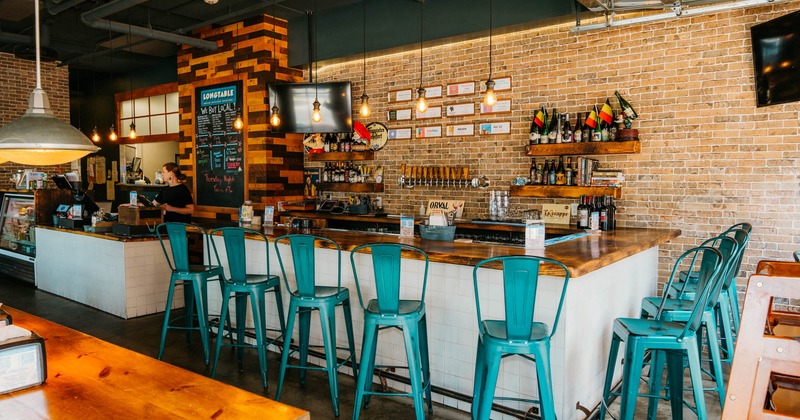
88, 378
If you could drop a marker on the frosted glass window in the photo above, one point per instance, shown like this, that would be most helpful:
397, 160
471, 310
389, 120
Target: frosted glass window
143, 126
125, 109
142, 106
172, 102
158, 104
173, 123
125, 127
158, 124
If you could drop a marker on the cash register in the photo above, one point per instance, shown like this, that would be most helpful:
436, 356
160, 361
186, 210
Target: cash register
75, 215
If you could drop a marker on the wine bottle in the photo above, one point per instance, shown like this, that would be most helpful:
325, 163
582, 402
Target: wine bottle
546, 173
627, 109
566, 130
612, 128
533, 133
612, 213
603, 130
326, 145
597, 134
583, 214
594, 214
560, 173
544, 137
551, 180
603, 215
539, 174
532, 171
577, 134
586, 131
553, 129
568, 174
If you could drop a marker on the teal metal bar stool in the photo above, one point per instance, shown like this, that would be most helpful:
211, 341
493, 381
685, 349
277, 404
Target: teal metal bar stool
675, 341
680, 310
307, 297
243, 285
174, 239
389, 310
517, 333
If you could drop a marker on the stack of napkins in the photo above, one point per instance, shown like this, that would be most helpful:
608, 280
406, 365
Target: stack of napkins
12, 332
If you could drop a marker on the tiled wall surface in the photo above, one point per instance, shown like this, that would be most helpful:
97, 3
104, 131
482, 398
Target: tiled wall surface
709, 158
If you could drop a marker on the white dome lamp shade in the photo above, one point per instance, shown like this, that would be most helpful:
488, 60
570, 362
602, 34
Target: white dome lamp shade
38, 137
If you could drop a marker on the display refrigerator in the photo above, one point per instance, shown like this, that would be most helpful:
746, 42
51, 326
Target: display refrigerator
21, 211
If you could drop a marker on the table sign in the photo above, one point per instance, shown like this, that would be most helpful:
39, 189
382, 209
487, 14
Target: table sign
449, 206
534, 234
404, 95
400, 133
460, 130
429, 131
461, 88
406, 226
498, 108
433, 91
432, 112
503, 127
399, 115
501, 84
460, 109
556, 214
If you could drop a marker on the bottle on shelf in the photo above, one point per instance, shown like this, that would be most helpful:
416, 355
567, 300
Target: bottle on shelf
544, 131
612, 128
534, 135
612, 213
627, 109
566, 130
586, 130
583, 214
597, 133
539, 174
604, 131
551, 176
577, 134
568, 174
326, 144
603, 215
594, 214
532, 171
575, 180
560, 172
553, 129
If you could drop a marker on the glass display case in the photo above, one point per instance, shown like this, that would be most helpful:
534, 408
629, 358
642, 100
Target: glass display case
17, 226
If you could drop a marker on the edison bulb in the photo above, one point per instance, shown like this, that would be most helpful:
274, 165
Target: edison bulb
490, 99
275, 120
365, 111
316, 116
112, 135
132, 133
95, 135
422, 104
238, 124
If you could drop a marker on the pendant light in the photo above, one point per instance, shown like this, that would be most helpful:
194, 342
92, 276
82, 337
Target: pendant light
422, 104
38, 137
132, 132
490, 99
316, 116
365, 111
238, 124
274, 119
112, 132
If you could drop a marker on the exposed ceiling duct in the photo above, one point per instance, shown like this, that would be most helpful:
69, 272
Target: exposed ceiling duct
677, 8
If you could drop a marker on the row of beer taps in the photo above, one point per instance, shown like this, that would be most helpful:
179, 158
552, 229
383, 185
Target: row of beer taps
435, 176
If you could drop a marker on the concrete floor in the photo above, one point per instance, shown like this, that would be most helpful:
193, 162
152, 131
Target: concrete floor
143, 334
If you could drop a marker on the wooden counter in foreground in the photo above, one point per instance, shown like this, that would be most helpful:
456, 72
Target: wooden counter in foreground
91, 378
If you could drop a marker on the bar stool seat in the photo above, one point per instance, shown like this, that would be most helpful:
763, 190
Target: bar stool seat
243, 285
389, 311
173, 237
306, 297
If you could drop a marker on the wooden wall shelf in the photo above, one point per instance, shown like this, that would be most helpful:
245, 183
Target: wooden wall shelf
584, 148
341, 156
552, 191
347, 187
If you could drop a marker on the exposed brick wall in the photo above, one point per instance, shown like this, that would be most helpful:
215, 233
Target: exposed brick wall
709, 157
247, 51
17, 80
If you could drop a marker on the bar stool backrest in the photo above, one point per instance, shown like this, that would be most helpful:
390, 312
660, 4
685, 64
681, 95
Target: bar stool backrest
741, 232
303, 251
709, 263
235, 250
520, 281
386, 262
176, 232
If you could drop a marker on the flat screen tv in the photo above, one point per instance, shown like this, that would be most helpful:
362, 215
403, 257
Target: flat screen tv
294, 101
776, 59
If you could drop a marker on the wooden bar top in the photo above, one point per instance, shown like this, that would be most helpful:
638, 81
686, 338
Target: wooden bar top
91, 378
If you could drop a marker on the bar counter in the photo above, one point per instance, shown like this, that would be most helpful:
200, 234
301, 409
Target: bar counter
91, 378
610, 273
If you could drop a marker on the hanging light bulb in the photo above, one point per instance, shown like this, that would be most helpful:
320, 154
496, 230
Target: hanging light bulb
238, 124
365, 111
490, 99
316, 116
422, 104
275, 119
112, 134
95, 135
132, 132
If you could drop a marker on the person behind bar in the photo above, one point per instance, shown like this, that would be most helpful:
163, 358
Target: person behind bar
175, 199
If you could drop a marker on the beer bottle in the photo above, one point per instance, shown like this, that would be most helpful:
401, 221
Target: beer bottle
566, 130
539, 175
560, 173
552, 175
532, 171
568, 174
553, 129
577, 135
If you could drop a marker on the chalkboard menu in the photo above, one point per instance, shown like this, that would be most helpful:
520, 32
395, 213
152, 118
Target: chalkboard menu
219, 147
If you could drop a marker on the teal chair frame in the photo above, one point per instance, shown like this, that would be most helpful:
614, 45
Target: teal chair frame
243, 285
518, 333
173, 237
675, 341
388, 310
307, 297
679, 310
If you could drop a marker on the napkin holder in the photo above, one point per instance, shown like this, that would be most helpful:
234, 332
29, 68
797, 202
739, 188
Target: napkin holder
23, 363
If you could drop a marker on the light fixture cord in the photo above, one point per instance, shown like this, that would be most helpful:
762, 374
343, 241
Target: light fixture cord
316, 52
490, 39
364, 38
130, 78
38, 41
420, 43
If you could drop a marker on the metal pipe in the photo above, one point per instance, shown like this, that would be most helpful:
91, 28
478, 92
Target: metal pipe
108, 9
54, 10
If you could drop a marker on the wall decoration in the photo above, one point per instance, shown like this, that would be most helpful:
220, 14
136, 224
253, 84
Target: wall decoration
460, 109
399, 115
219, 148
400, 133
503, 127
461, 88
460, 130
500, 107
433, 91
501, 84
404, 95
379, 135
431, 112
429, 131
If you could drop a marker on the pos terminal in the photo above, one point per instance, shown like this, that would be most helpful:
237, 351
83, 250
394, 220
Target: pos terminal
73, 216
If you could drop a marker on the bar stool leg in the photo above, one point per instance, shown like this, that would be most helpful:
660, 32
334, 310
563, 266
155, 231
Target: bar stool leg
544, 378
480, 374
414, 369
241, 325
167, 313
364, 383
304, 315
327, 323
188, 309
697, 383
675, 378
634, 359
492, 361
287, 346
426, 365
259, 324
202, 319
279, 307
226, 296
348, 323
